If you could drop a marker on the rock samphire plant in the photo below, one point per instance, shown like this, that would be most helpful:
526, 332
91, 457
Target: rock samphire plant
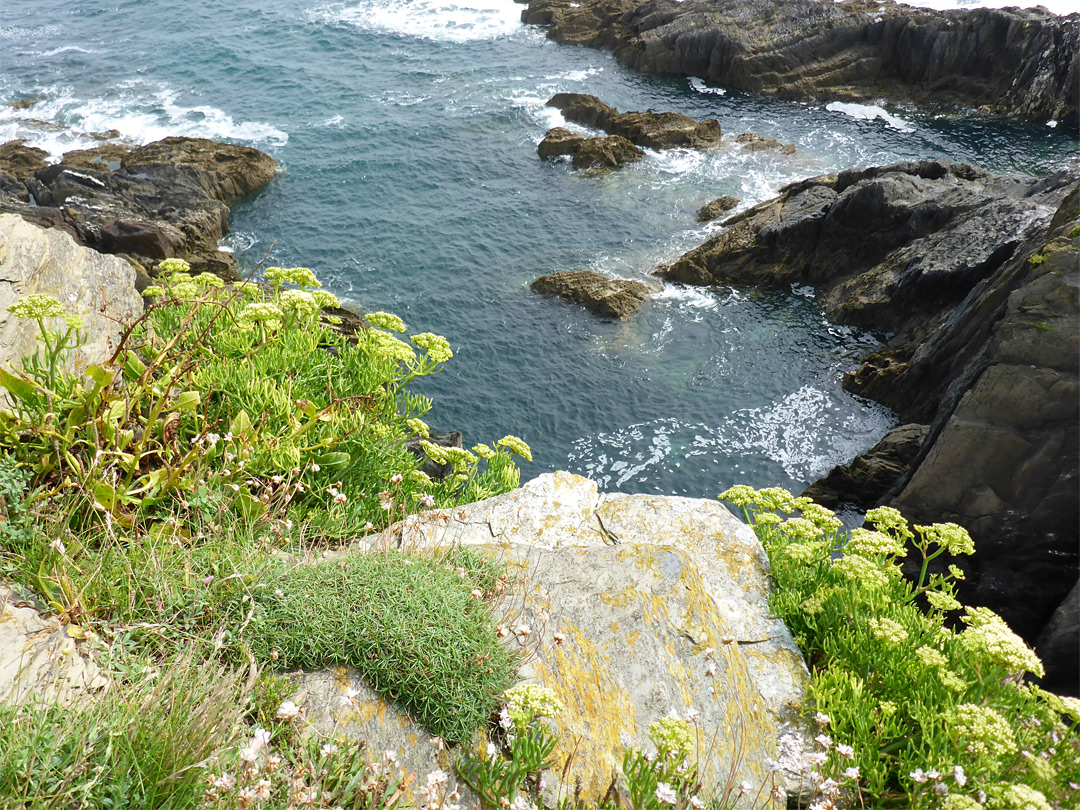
924, 696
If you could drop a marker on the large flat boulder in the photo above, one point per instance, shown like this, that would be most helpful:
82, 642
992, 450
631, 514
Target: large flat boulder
648, 129
99, 289
630, 607
610, 297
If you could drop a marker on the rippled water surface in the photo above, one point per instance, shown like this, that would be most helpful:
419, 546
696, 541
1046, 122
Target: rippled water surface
407, 133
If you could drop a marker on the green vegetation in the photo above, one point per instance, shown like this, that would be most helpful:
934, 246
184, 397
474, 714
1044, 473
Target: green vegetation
186, 507
925, 696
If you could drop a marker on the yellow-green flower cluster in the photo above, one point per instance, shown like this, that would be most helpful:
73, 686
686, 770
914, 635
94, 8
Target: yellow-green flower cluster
1059, 703
985, 731
957, 573
988, 635
820, 516
390, 347
37, 307
887, 630
672, 735
483, 451
73, 321
385, 320
951, 681
740, 495
301, 302
798, 528
457, 457
860, 569
804, 553
516, 445
153, 291
208, 281
872, 543
942, 601
527, 702
419, 427
1018, 797
954, 539
958, 801
437, 347
325, 299
300, 276
173, 266
267, 314
931, 656
888, 520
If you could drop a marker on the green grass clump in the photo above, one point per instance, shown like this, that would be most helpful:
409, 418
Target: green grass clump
138, 745
410, 624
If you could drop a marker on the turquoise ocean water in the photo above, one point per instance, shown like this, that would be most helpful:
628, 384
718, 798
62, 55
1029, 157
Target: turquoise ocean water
407, 135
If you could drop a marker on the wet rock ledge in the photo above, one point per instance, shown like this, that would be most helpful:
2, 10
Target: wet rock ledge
1012, 62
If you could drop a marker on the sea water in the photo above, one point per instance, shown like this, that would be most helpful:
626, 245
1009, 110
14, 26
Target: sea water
407, 130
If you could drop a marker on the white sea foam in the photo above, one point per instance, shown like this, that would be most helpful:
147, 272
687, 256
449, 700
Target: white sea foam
700, 86
868, 112
60, 121
66, 49
440, 20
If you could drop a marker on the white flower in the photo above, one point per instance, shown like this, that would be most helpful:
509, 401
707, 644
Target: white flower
845, 751
918, 775
437, 777
260, 738
226, 781
559, 638
262, 790
287, 711
822, 719
824, 740
745, 788
851, 773
697, 803
390, 756
249, 754
349, 699
427, 501
692, 715
522, 631
664, 793
522, 803
492, 749
328, 749
396, 478
959, 775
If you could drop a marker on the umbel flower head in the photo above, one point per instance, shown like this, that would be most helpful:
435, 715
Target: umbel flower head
527, 702
988, 635
172, 266
300, 276
516, 445
671, 735
385, 320
437, 347
985, 732
37, 307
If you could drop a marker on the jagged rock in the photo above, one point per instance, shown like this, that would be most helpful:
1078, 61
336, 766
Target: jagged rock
1014, 62
1059, 646
647, 593
716, 209
866, 480
106, 156
99, 289
977, 276
169, 198
648, 129
589, 153
39, 659
21, 161
752, 142
611, 297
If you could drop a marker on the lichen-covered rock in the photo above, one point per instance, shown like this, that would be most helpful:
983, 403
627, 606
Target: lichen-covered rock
635, 606
610, 297
39, 659
99, 289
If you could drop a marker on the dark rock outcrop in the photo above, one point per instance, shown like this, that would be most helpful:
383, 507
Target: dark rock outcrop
1059, 646
978, 279
648, 129
167, 199
19, 161
716, 209
1012, 62
610, 297
605, 152
871, 475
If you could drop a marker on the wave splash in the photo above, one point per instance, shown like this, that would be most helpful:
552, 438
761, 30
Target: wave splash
439, 20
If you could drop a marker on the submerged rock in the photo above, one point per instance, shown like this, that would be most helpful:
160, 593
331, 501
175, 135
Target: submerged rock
752, 142
716, 209
631, 607
611, 297
168, 198
606, 152
647, 129
1013, 62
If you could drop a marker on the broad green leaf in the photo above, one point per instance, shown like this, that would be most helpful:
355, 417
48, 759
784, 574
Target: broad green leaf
19, 388
188, 400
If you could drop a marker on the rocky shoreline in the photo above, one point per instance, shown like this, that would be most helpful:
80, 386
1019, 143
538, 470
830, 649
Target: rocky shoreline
1017, 63
976, 277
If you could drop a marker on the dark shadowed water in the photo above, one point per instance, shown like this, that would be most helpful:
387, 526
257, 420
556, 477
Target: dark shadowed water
407, 134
